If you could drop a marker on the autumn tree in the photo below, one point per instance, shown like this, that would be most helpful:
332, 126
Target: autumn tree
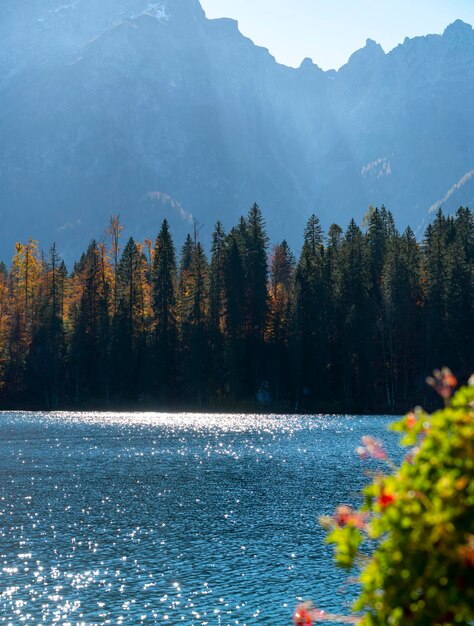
47, 354
24, 280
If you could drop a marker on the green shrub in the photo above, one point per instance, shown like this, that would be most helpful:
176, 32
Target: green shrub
417, 523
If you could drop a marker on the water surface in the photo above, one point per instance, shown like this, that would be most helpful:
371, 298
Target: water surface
148, 518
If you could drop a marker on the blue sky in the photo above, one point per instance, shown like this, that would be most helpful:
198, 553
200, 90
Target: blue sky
328, 31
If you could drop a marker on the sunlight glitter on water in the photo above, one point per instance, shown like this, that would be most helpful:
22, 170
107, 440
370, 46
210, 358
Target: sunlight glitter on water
222, 422
155, 518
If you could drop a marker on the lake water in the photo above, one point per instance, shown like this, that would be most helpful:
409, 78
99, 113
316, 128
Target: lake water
113, 518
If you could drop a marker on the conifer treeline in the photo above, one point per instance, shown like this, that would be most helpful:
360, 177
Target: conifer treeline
354, 324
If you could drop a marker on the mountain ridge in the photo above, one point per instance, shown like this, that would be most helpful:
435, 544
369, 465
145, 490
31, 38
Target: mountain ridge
166, 103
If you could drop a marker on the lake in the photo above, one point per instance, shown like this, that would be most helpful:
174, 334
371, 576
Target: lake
151, 518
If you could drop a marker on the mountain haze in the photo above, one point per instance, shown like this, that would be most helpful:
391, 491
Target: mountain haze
150, 110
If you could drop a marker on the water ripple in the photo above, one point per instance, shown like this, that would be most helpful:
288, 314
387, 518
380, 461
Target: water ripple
158, 518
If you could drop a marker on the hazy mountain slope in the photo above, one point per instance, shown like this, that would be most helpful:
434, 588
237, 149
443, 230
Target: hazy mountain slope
410, 118
136, 116
151, 110
34, 32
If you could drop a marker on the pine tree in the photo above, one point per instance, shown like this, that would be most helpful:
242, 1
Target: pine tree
380, 237
217, 310
335, 314
435, 248
130, 347
280, 326
392, 289
255, 245
195, 337
235, 310
459, 294
185, 281
311, 307
88, 310
357, 328
409, 317
164, 308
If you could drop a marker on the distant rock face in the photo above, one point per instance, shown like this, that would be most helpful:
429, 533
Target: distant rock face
148, 109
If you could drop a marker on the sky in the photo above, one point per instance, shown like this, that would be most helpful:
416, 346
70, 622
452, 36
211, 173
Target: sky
329, 31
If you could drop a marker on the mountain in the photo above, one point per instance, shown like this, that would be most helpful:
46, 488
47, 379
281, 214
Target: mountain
150, 110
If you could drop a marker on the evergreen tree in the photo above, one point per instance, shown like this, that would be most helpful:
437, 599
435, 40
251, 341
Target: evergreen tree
217, 281
280, 326
255, 244
409, 315
459, 293
185, 281
195, 336
235, 308
311, 313
435, 248
164, 309
381, 244
335, 315
89, 310
130, 347
357, 328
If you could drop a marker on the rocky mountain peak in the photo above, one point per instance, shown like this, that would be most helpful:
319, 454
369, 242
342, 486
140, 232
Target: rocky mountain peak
372, 51
458, 29
308, 65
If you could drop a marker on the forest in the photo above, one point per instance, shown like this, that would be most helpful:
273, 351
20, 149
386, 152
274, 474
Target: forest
354, 323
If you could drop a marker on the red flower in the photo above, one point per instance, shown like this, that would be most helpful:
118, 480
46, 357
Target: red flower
302, 616
411, 420
386, 499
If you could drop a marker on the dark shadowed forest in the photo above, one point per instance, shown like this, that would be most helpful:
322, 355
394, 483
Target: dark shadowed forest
353, 323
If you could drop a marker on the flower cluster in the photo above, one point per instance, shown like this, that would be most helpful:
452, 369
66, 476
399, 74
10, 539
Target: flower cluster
443, 382
371, 449
307, 615
344, 516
